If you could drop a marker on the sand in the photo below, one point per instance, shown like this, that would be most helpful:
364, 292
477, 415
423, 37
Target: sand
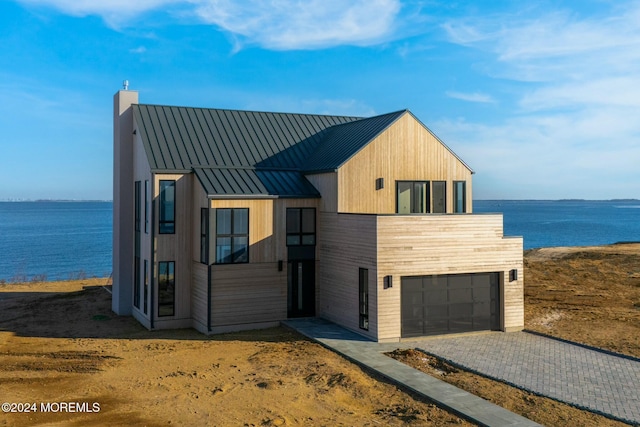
63, 349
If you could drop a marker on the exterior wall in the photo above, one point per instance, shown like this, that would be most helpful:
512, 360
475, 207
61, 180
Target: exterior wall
405, 151
174, 247
446, 244
199, 295
327, 185
123, 220
253, 294
346, 243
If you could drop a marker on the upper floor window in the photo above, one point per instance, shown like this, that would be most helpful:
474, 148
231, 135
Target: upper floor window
301, 226
167, 207
136, 202
459, 196
232, 235
439, 197
146, 206
413, 197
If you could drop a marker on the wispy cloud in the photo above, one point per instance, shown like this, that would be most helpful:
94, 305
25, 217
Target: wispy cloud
138, 50
471, 97
272, 24
312, 24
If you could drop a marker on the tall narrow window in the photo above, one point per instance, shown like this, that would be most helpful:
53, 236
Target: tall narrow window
232, 235
439, 204
136, 283
145, 294
412, 197
459, 196
363, 285
301, 227
146, 206
136, 207
204, 236
167, 207
166, 288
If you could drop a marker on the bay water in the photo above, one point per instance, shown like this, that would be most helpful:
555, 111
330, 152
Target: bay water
65, 240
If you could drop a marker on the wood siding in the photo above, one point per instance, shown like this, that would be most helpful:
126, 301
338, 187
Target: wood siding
327, 185
406, 151
446, 244
345, 244
199, 293
249, 293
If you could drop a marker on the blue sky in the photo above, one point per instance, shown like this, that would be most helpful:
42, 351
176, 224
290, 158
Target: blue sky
541, 99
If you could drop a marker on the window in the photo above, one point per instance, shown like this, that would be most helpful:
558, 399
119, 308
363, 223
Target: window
146, 206
166, 288
413, 197
204, 236
136, 203
167, 207
145, 295
301, 227
232, 235
363, 285
459, 196
136, 283
439, 204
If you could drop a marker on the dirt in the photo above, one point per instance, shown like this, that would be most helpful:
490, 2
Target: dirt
60, 343
589, 295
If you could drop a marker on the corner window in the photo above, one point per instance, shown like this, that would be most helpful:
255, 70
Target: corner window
204, 236
412, 197
232, 236
136, 202
145, 295
167, 207
459, 196
301, 227
136, 283
166, 288
146, 206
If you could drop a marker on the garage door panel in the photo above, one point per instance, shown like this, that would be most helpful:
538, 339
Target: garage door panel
444, 304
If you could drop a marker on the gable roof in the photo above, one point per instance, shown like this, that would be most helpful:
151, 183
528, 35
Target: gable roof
237, 153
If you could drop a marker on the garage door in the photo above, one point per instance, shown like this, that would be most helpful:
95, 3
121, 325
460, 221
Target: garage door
446, 304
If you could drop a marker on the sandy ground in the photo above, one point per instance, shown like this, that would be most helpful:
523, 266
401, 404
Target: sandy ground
589, 295
60, 343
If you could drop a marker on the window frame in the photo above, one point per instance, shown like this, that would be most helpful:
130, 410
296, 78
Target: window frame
363, 298
444, 196
456, 199
425, 200
304, 236
170, 282
167, 225
204, 235
232, 258
146, 206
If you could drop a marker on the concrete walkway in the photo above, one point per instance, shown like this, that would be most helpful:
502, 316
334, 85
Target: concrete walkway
587, 378
370, 355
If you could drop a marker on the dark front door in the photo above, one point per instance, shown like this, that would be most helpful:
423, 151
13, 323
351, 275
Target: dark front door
301, 299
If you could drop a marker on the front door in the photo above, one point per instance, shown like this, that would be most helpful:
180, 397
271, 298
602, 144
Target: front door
301, 301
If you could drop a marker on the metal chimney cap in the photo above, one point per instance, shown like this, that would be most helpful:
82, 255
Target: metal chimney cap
125, 85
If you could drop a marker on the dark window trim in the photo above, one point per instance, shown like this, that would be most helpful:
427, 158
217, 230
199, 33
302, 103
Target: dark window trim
363, 298
146, 206
204, 235
455, 197
136, 208
167, 226
136, 282
233, 235
145, 294
172, 283
427, 195
433, 194
301, 234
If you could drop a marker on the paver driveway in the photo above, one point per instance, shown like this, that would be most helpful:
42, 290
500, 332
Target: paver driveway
591, 379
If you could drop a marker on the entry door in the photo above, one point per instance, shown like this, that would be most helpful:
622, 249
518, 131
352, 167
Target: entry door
301, 289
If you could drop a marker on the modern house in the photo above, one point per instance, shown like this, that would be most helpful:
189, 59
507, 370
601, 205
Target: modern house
227, 220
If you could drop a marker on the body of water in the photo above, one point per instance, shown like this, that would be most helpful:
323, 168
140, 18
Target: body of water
55, 240
62, 240
545, 223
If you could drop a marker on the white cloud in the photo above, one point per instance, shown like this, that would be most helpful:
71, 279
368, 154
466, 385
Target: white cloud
273, 24
470, 97
312, 24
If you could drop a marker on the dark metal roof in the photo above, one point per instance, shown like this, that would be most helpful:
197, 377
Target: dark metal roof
340, 143
228, 182
247, 153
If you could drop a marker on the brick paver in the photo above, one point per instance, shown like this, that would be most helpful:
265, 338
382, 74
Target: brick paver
583, 377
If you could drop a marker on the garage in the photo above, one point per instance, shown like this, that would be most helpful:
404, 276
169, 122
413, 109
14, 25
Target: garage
447, 304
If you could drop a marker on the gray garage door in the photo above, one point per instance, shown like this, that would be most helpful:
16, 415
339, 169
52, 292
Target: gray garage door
446, 304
